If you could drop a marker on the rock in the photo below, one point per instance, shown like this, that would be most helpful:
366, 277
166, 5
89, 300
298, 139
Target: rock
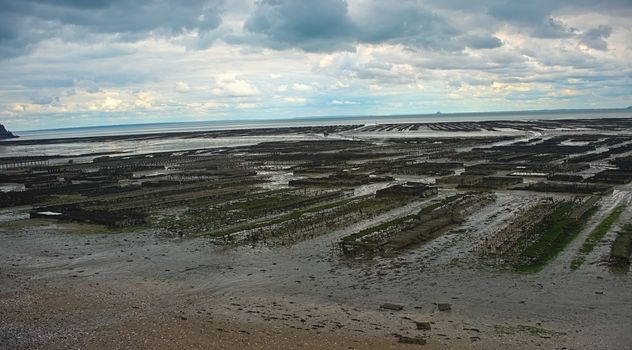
394, 307
5, 134
411, 340
424, 326
444, 307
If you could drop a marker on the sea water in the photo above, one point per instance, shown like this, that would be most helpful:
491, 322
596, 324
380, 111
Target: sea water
74, 148
173, 127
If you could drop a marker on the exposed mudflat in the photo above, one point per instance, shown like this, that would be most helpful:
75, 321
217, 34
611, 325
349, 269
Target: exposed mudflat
215, 247
63, 289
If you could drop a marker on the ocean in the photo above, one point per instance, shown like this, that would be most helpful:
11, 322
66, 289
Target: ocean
80, 150
172, 127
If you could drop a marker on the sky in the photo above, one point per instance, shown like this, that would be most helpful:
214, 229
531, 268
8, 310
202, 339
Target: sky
66, 63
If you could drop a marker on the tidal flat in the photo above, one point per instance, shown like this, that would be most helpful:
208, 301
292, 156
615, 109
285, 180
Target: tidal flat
432, 235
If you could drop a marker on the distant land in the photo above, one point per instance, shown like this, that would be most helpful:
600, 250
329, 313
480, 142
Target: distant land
5, 134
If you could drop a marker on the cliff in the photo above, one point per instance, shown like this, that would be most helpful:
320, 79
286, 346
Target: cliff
5, 134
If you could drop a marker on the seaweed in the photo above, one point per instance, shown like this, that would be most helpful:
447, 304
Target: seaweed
595, 236
622, 248
557, 230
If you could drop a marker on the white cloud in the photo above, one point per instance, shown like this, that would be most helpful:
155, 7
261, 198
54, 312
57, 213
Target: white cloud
88, 77
302, 87
340, 85
203, 106
144, 99
344, 102
563, 93
234, 88
295, 100
182, 87
246, 105
18, 108
110, 104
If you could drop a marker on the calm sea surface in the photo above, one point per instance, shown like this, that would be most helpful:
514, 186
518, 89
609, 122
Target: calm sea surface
134, 129
169, 144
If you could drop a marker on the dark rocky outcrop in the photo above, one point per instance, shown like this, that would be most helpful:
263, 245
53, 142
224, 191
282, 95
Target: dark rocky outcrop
5, 134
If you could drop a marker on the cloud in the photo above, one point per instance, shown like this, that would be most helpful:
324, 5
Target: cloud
295, 100
482, 42
144, 99
110, 104
523, 12
302, 87
344, 102
231, 87
23, 24
18, 108
309, 25
313, 26
45, 100
595, 37
95, 62
552, 28
182, 87
330, 25
405, 23
86, 85
340, 85
566, 92
246, 105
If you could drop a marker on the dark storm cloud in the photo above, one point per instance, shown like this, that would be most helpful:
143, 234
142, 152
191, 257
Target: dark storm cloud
45, 100
311, 25
119, 16
552, 29
594, 37
403, 22
328, 26
483, 42
324, 25
528, 12
536, 17
295, 21
25, 23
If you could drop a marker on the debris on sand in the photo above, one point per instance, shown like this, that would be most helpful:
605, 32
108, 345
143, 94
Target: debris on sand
423, 326
622, 248
444, 307
390, 306
411, 340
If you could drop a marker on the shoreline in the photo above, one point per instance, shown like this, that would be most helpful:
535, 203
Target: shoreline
289, 126
159, 293
335, 241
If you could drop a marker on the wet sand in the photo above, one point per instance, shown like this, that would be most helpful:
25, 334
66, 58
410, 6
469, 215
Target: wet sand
66, 285
138, 290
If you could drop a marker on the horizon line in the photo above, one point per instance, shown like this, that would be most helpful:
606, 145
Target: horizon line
350, 116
